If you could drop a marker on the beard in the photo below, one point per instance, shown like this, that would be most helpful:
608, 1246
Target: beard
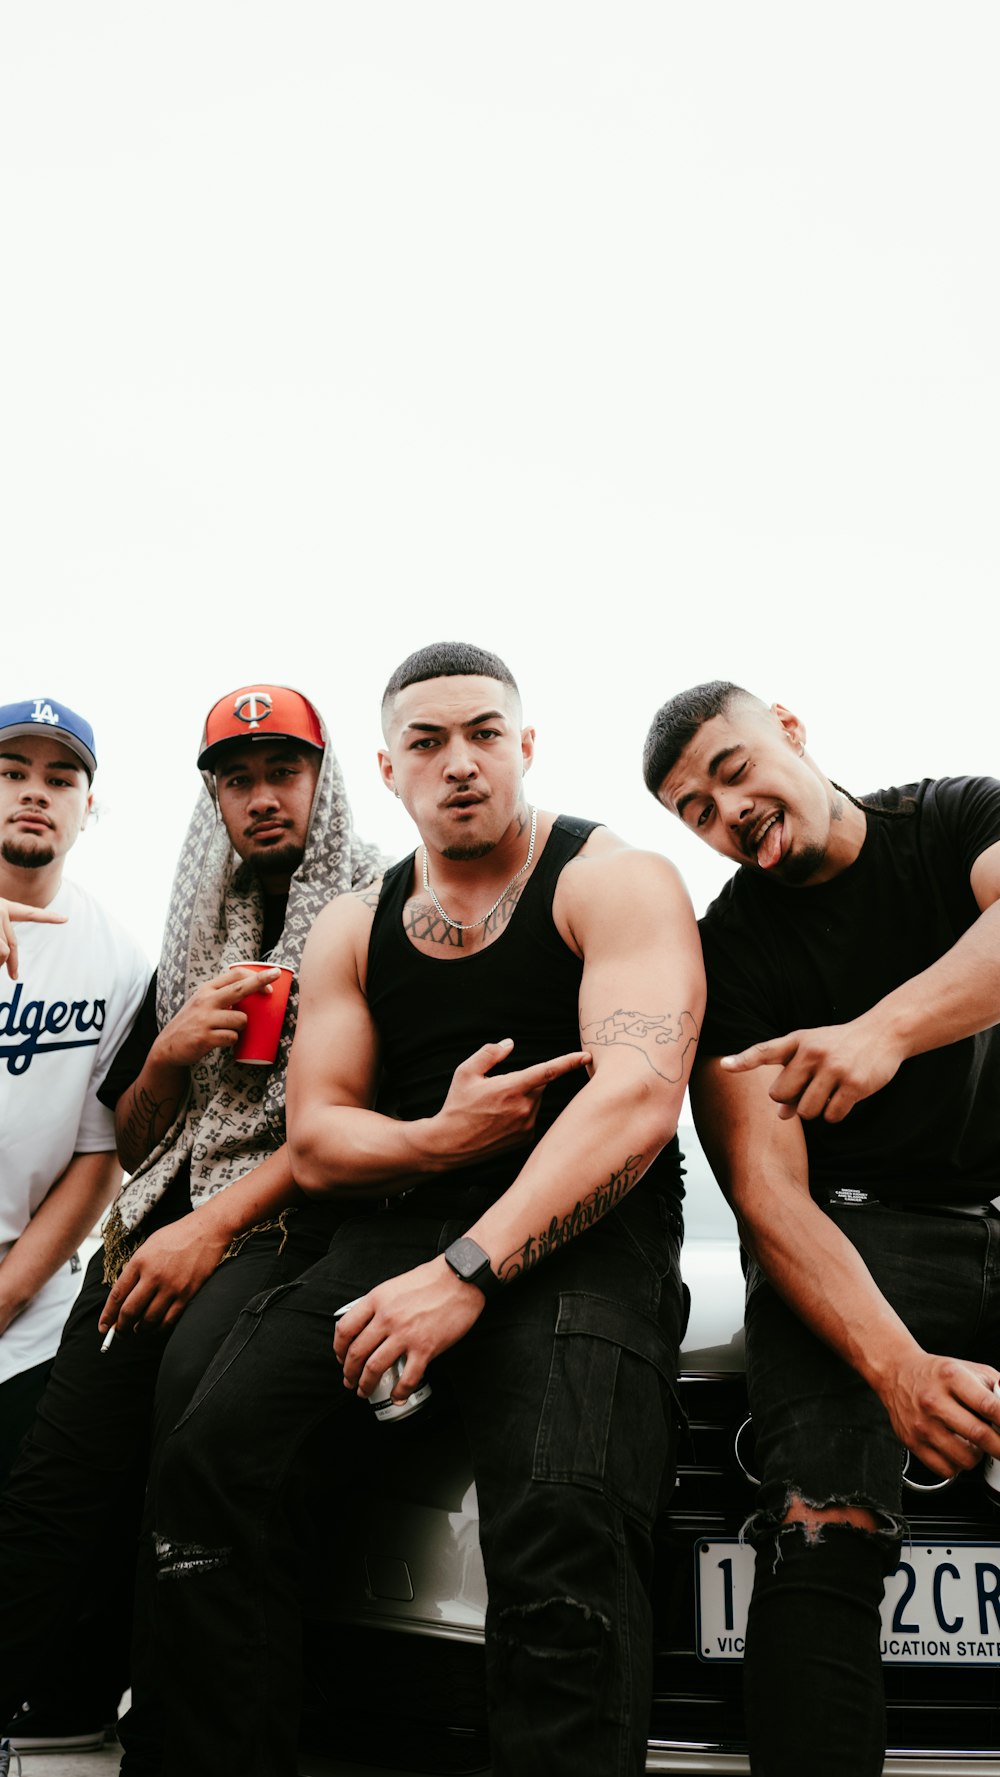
280, 860
481, 849
26, 860
798, 867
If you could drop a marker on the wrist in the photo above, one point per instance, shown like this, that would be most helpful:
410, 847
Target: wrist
471, 1264
890, 1028
429, 1149
885, 1353
216, 1220
167, 1066
10, 1308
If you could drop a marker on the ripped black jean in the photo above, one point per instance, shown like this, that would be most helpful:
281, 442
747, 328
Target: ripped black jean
565, 1386
812, 1675
70, 1512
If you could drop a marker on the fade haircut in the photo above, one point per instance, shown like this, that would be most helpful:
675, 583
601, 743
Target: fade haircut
679, 720
447, 660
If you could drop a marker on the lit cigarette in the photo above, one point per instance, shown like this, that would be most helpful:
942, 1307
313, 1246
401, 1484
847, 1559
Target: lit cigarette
109, 1335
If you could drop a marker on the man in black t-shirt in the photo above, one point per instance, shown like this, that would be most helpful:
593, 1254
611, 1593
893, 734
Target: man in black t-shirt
848, 1095
208, 1218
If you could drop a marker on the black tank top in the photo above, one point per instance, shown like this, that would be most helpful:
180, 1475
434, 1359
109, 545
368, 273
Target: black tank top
431, 1014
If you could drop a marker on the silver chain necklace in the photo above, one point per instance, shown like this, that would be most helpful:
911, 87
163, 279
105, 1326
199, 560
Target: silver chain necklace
456, 924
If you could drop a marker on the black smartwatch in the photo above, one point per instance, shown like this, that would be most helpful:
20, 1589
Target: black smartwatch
472, 1265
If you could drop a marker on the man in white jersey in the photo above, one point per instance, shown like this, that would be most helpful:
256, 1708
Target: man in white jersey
71, 982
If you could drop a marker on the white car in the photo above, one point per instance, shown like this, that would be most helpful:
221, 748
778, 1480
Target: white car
396, 1648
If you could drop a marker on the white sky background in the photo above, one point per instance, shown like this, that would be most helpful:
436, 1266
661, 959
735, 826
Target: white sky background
642, 343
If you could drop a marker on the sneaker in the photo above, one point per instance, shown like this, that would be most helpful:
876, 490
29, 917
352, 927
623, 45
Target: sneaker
45, 1731
8, 1752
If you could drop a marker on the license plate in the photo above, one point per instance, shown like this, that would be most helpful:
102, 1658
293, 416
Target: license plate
941, 1604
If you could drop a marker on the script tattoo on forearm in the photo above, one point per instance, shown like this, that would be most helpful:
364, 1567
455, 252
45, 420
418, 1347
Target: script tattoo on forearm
666, 1039
147, 1122
583, 1215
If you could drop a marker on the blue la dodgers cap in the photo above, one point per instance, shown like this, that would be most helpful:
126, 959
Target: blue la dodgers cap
43, 715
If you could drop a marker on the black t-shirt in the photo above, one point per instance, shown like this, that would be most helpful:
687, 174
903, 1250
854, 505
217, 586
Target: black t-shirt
130, 1056
781, 959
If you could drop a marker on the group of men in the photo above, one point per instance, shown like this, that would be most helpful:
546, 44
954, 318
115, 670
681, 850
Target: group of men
471, 1141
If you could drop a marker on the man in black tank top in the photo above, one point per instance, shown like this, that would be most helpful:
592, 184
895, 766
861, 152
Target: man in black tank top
460, 995
846, 1093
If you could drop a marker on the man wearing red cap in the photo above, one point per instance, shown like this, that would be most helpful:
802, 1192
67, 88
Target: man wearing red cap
209, 1215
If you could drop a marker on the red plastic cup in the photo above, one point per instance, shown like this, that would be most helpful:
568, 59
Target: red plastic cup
258, 1040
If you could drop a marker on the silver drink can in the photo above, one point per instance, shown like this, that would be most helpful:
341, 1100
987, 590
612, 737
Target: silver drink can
381, 1396
991, 1465
380, 1399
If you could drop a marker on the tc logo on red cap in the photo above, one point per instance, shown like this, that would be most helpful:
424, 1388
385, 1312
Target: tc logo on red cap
253, 707
259, 712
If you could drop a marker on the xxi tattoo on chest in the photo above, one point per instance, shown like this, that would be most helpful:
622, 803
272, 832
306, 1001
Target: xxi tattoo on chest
423, 924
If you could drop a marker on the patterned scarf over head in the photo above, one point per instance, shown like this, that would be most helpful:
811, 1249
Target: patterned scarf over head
234, 1114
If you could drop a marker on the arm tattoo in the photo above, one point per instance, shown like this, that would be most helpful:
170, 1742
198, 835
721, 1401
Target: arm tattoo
665, 1039
582, 1215
147, 1122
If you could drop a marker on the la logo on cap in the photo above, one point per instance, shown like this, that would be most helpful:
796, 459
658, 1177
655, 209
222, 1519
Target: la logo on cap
43, 712
252, 707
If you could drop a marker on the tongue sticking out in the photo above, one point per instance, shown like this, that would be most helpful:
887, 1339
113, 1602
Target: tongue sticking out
769, 850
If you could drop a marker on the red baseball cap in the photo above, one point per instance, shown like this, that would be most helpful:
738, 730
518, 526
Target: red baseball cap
259, 712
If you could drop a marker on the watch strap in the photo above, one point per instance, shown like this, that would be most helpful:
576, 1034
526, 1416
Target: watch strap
469, 1262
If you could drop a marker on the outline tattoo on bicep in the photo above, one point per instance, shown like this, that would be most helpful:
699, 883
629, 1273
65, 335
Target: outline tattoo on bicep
583, 1214
667, 1041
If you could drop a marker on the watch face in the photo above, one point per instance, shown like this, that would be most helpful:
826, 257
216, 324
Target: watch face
465, 1257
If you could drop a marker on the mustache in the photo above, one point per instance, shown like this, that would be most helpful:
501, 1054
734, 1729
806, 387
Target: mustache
275, 821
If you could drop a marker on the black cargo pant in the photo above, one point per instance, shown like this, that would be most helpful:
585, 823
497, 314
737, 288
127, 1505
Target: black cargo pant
565, 1386
70, 1513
